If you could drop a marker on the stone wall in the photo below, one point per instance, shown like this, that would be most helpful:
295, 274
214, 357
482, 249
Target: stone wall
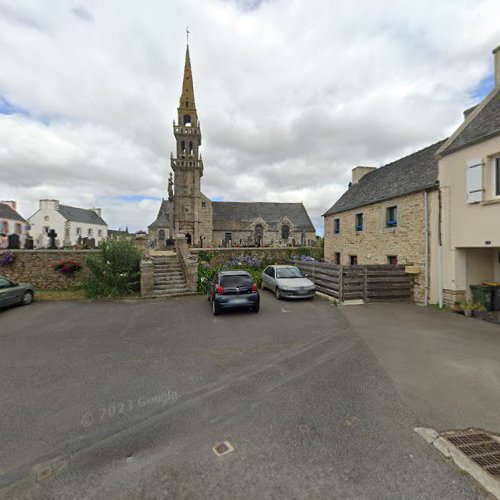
270, 238
376, 242
37, 267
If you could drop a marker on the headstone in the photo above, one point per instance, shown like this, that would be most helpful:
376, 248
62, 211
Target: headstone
52, 239
28, 243
14, 241
91, 242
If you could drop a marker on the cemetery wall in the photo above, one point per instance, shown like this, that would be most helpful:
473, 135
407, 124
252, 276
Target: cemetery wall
37, 267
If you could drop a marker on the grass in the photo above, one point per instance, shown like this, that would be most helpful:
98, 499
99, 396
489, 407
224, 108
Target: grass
60, 294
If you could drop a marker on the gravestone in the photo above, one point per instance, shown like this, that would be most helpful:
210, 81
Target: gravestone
52, 240
91, 242
28, 243
14, 241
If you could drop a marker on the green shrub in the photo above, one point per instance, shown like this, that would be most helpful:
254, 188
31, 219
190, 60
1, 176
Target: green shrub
115, 271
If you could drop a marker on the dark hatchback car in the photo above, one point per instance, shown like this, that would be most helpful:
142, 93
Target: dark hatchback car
233, 289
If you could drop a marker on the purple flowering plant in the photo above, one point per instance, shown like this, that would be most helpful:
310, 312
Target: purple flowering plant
7, 258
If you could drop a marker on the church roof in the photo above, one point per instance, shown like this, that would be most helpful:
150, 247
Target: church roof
481, 123
7, 212
235, 215
410, 174
75, 214
162, 218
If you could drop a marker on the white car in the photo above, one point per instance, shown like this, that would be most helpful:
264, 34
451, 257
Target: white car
287, 282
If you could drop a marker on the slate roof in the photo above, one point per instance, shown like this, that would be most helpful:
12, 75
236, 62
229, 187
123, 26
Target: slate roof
162, 218
410, 174
7, 212
84, 215
481, 123
238, 216
119, 232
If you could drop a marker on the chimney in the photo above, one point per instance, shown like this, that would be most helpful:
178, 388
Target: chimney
97, 211
359, 172
49, 204
496, 55
12, 204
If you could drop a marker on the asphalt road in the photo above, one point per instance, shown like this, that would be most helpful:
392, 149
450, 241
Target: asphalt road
126, 400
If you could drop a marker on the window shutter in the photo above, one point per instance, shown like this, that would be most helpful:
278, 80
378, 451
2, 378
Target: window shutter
474, 181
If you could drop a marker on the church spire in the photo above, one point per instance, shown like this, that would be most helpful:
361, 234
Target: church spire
187, 97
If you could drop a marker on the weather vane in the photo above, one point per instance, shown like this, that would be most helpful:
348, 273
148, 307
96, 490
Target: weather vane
187, 34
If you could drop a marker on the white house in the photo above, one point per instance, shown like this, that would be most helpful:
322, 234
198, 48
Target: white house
70, 224
11, 222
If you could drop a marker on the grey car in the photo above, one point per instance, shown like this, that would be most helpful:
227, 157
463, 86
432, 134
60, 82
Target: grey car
287, 282
12, 293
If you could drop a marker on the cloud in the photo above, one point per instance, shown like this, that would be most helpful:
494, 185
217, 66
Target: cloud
291, 95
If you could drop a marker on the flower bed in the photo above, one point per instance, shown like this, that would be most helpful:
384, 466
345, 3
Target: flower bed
212, 262
68, 266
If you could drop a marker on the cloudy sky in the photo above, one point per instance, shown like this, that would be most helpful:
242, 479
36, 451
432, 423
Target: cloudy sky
291, 94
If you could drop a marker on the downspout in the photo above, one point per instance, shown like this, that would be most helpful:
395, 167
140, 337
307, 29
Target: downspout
440, 253
426, 262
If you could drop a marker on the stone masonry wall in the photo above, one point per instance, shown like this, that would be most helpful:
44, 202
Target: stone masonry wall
37, 267
376, 242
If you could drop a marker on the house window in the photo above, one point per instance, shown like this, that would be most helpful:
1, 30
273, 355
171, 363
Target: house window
79, 231
497, 176
285, 232
46, 229
336, 226
353, 260
19, 228
337, 258
203, 204
359, 222
392, 217
228, 237
99, 232
89, 232
4, 227
392, 260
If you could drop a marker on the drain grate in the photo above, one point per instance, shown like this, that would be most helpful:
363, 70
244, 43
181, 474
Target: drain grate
480, 447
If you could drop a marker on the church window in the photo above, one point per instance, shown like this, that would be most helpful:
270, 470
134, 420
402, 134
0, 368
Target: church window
191, 148
203, 204
183, 146
187, 104
187, 120
285, 232
161, 234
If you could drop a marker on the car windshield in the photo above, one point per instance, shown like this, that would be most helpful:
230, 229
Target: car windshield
288, 272
236, 280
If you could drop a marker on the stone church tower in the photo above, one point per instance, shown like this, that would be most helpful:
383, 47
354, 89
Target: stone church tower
191, 212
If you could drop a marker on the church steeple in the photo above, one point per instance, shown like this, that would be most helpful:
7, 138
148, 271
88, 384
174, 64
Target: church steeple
187, 105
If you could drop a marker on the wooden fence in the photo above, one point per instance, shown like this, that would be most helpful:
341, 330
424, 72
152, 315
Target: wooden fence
371, 283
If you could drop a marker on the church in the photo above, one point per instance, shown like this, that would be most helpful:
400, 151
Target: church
209, 223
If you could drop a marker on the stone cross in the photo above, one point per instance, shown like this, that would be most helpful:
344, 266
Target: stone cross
52, 237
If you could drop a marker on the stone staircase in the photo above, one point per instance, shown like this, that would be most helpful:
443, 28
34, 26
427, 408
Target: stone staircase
168, 277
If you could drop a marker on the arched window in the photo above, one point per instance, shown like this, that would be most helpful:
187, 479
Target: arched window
183, 147
188, 238
191, 148
285, 232
161, 234
187, 120
259, 235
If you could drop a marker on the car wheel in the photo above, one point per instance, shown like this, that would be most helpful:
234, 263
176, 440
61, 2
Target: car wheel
27, 298
262, 286
256, 308
277, 293
215, 308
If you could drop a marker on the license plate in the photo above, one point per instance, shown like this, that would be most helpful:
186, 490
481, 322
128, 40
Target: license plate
239, 301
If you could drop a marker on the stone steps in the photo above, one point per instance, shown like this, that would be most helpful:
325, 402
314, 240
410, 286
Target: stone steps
168, 277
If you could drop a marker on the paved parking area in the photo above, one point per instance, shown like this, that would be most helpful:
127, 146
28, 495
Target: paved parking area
446, 365
126, 400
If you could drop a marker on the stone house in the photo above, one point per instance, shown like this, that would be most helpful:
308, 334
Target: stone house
389, 215
12, 222
70, 223
208, 223
469, 178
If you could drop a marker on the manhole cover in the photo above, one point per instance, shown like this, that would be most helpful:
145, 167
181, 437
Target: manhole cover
223, 448
480, 447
